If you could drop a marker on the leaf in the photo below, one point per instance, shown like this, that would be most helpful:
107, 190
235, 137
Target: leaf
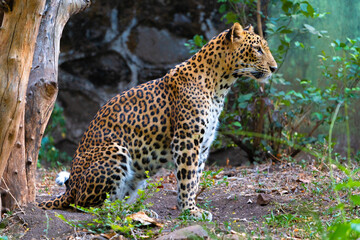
318, 116
237, 124
342, 231
231, 17
245, 97
312, 30
144, 219
348, 185
199, 40
109, 235
355, 199
355, 225
64, 219
299, 44
310, 10
222, 8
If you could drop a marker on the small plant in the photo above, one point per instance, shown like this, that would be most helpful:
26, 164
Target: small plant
115, 215
283, 220
345, 230
208, 180
345, 227
46, 230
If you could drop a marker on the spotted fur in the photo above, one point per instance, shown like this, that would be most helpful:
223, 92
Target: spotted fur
173, 118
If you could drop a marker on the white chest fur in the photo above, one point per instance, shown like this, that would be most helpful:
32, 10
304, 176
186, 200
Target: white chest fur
211, 122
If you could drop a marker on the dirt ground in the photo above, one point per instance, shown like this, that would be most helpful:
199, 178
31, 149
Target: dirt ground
234, 203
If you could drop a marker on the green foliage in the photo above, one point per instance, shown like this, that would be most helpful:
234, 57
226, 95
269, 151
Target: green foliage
283, 108
195, 44
208, 179
237, 10
347, 230
282, 220
48, 152
114, 215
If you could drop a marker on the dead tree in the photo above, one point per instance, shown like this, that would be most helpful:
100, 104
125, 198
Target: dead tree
40, 87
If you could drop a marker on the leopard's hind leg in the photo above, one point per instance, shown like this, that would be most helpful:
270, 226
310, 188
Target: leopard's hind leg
110, 174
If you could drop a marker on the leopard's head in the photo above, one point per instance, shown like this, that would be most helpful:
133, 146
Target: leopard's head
249, 54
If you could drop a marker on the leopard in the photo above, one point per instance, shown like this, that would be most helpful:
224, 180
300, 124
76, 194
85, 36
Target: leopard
170, 119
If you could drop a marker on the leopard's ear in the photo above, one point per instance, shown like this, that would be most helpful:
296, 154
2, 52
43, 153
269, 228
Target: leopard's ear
235, 33
249, 28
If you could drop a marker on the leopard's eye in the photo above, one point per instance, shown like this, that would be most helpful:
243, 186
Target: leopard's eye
259, 50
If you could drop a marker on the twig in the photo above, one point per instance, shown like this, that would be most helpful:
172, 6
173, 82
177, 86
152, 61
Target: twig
200, 192
274, 157
8, 190
302, 118
258, 17
297, 151
260, 123
238, 142
133, 234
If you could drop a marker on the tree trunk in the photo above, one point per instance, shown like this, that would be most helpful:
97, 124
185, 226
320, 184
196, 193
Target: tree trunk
41, 95
13, 185
18, 33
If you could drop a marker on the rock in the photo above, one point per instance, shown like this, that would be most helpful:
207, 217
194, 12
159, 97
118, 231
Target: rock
192, 232
156, 46
102, 69
263, 199
233, 237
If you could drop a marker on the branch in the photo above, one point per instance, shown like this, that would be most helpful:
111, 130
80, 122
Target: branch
238, 142
318, 124
258, 18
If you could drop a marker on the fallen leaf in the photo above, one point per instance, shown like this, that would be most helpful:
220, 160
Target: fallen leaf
302, 178
108, 235
144, 219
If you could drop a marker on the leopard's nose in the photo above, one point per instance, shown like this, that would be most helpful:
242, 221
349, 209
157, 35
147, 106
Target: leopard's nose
272, 69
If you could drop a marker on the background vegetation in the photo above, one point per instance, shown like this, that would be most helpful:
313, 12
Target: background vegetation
316, 73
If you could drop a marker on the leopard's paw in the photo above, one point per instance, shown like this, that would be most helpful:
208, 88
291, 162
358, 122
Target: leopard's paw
201, 214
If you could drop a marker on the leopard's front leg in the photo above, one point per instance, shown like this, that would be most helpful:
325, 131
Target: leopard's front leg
186, 158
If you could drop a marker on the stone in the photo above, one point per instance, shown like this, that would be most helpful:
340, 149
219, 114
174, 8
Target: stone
263, 199
156, 46
192, 232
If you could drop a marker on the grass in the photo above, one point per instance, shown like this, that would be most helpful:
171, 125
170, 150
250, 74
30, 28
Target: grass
325, 211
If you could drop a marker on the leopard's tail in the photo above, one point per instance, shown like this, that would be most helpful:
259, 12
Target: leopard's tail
59, 202
62, 178
63, 201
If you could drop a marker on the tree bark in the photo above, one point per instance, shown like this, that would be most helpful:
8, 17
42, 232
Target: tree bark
13, 185
43, 88
41, 94
17, 43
